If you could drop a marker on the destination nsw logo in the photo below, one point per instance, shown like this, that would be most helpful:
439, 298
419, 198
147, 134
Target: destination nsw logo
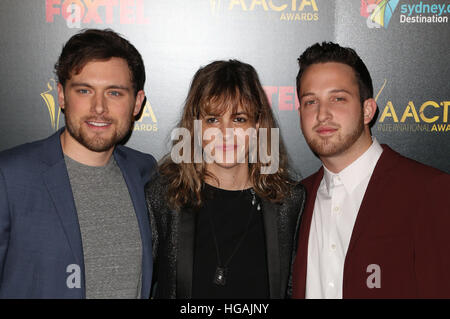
378, 12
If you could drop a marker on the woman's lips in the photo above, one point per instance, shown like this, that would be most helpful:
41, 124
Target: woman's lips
226, 148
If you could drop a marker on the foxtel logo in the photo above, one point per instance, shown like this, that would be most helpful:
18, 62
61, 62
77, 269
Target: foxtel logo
76, 12
283, 97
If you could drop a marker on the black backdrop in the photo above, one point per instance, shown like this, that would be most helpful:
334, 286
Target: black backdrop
409, 62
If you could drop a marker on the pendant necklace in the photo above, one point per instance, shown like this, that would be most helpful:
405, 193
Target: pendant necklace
220, 275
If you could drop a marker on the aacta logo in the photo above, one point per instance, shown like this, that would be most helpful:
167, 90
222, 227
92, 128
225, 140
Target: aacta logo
147, 122
302, 10
49, 97
78, 12
378, 12
428, 116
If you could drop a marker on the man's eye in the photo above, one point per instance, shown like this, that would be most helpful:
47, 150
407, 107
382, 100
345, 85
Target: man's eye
115, 93
339, 99
309, 102
83, 91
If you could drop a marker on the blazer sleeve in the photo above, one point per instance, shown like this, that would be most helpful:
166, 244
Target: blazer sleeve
432, 246
4, 224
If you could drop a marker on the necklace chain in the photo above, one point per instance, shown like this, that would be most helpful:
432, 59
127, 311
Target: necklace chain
221, 269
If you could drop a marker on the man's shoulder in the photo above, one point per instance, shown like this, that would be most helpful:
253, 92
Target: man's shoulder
135, 154
145, 163
28, 154
396, 163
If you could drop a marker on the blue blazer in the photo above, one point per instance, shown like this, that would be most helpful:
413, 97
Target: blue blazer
39, 231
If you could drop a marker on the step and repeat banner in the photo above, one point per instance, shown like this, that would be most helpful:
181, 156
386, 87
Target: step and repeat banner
404, 43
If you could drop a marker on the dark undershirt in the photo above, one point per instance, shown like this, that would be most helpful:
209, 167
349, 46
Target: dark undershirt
247, 275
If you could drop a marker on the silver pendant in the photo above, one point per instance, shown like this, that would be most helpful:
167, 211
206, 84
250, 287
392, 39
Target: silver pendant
220, 276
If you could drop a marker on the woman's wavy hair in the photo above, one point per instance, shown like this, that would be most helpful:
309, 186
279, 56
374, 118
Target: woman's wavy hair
213, 90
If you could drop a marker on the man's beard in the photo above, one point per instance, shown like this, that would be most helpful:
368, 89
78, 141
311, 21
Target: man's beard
327, 147
97, 143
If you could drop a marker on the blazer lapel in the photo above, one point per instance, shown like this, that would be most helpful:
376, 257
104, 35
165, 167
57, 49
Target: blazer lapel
185, 255
56, 179
371, 196
270, 216
301, 261
135, 186
58, 185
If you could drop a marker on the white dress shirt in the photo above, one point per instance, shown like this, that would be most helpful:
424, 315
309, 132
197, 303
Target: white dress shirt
335, 210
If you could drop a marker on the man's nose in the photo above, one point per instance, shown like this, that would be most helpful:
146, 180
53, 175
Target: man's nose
323, 112
99, 104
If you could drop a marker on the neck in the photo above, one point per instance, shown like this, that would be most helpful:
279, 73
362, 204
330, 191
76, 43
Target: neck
81, 154
233, 178
337, 163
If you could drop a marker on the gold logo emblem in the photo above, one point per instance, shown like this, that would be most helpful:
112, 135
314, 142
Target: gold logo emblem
148, 121
215, 6
53, 109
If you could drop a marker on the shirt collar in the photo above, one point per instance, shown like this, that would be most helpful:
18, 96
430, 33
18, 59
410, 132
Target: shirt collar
352, 175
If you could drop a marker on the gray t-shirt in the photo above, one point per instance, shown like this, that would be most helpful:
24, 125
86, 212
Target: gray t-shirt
109, 228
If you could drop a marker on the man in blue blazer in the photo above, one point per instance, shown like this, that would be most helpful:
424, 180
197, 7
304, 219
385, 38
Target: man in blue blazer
73, 218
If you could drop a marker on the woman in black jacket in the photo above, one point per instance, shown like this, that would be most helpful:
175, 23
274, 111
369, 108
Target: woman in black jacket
223, 210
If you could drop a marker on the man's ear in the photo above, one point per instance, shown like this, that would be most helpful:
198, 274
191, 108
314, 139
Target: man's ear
369, 110
61, 101
140, 97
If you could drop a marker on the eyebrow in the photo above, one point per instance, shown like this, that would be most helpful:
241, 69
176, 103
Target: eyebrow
117, 87
240, 113
332, 91
306, 94
234, 114
340, 91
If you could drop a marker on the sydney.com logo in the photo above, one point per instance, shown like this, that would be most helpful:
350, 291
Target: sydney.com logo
380, 12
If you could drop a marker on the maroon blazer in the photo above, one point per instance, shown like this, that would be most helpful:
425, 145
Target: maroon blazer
403, 225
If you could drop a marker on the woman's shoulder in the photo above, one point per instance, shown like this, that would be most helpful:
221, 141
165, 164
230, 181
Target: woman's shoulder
296, 196
155, 181
156, 190
296, 191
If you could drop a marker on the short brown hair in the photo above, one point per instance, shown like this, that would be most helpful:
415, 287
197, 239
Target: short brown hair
94, 44
333, 52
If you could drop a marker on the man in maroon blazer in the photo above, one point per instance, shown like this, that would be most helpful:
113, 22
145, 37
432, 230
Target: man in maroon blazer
376, 224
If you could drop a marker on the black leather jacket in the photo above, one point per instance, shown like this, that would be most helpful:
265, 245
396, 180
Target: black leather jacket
173, 235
